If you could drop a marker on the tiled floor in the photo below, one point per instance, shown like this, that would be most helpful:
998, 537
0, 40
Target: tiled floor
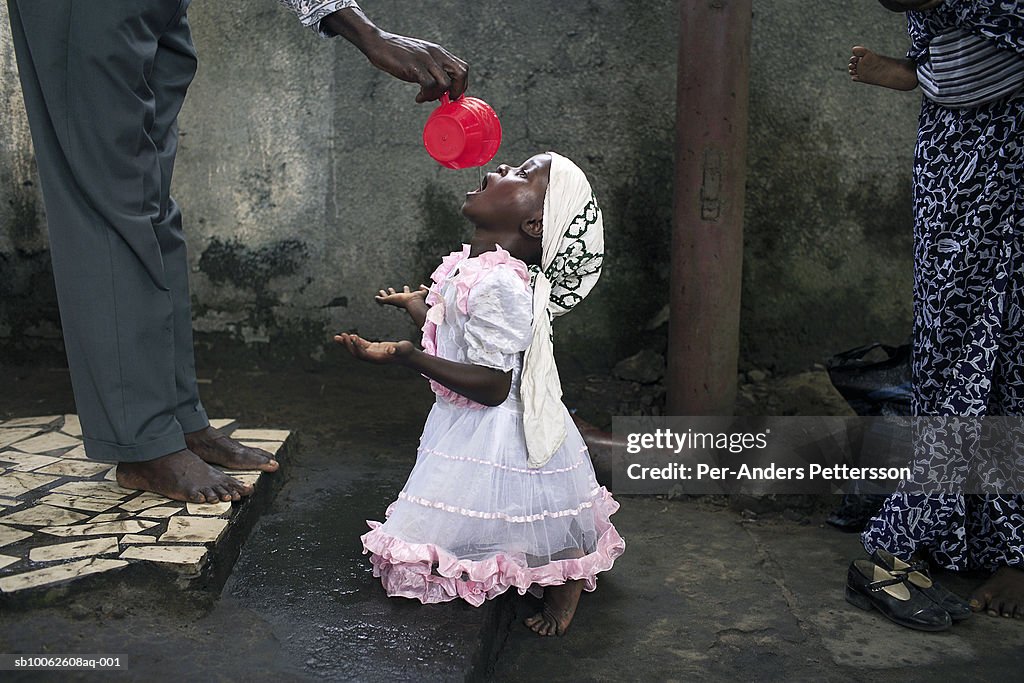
63, 517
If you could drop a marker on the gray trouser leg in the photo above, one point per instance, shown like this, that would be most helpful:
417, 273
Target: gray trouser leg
103, 84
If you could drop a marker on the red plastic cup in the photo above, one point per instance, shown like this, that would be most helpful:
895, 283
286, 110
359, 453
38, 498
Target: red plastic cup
462, 134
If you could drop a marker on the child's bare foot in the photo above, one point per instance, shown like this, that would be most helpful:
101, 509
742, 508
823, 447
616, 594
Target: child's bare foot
559, 607
875, 69
1002, 594
218, 449
181, 476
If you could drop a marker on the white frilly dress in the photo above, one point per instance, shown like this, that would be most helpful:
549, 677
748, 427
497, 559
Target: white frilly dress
473, 520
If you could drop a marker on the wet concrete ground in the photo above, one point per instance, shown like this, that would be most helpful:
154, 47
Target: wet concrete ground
702, 592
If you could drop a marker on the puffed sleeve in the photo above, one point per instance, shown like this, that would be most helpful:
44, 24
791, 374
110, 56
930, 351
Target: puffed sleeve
310, 12
499, 326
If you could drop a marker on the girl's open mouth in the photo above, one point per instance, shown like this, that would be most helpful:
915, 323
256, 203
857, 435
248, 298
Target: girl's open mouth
483, 185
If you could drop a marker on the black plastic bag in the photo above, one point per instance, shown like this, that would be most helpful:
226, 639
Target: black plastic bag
875, 380
871, 384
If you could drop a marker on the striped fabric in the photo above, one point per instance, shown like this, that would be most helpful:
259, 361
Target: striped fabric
966, 70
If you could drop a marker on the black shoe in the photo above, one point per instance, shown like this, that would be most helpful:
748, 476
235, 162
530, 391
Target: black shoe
868, 585
917, 574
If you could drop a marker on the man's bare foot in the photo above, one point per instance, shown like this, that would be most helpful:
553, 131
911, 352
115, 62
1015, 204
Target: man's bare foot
181, 476
559, 607
1002, 594
218, 449
875, 69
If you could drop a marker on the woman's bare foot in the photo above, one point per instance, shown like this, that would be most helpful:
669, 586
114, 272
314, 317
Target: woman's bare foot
181, 476
1002, 594
875, 69
559, 607
218, 449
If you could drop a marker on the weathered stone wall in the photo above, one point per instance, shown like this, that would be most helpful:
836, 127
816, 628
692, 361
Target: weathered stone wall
28, 303
828, 253
305, 186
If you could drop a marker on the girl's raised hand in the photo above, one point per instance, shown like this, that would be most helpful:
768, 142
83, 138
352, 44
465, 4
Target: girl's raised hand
401, 299
382, 352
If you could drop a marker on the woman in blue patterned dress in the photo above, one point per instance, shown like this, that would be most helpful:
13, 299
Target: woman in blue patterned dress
968, 304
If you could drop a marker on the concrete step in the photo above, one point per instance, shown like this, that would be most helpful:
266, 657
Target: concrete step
66, 525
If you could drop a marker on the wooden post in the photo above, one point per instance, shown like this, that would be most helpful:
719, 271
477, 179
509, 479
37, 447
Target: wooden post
710, 175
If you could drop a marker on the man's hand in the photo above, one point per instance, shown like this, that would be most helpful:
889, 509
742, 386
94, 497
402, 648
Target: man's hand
381, 353
401, 299
410, 59
436, 70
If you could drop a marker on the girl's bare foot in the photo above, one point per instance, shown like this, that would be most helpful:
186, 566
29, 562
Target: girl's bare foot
1002, 594
559, 607
218, 449
181, 476
875, 69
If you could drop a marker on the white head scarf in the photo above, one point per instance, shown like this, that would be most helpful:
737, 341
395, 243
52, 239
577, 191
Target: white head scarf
571, 259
